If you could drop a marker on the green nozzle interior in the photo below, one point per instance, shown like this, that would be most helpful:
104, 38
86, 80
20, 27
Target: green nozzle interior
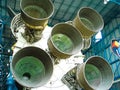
63, 43
93, 75
35, 11
29, 69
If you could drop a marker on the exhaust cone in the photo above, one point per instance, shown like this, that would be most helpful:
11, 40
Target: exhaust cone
35, 13
86, 43
95, 74
31, 67
88, 21
65, 40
